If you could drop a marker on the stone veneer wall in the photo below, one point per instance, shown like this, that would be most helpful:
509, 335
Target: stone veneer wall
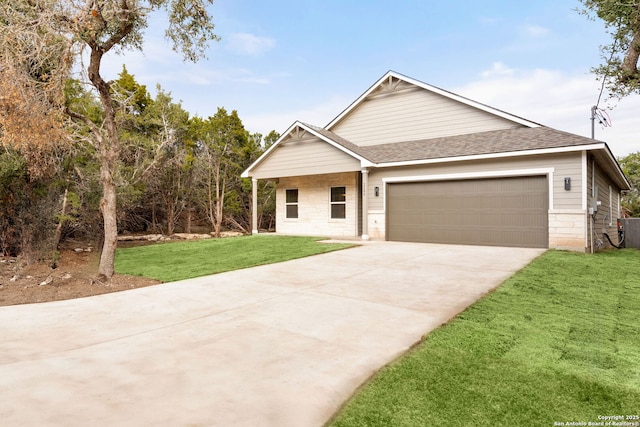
567, 230
377, 225
314, 210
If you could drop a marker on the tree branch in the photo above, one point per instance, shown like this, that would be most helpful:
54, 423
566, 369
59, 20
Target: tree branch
84, 119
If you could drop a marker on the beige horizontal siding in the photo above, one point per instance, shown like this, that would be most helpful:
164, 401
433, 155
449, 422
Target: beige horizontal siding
565, 165
412, 115
609, 210
308, 157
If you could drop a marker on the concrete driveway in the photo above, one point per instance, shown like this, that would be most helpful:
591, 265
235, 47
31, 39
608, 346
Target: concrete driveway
279, 345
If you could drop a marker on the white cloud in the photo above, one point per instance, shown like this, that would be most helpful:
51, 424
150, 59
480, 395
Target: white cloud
497, 69
558, 100
535, 30
249, 44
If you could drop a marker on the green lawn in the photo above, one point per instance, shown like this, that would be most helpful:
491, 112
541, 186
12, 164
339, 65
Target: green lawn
183, 260
558, 342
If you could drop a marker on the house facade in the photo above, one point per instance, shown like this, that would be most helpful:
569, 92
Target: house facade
407, 161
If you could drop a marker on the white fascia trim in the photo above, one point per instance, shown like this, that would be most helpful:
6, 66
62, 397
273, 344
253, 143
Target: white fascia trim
477, 175
494, 155
436, 90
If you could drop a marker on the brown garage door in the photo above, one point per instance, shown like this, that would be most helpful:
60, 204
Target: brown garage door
493, 212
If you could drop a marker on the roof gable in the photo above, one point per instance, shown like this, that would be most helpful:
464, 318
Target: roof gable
397, 108
306, 150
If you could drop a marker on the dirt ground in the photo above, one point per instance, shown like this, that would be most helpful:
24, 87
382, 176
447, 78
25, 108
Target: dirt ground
73, 278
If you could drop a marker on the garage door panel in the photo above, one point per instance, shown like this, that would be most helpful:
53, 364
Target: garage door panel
497, 211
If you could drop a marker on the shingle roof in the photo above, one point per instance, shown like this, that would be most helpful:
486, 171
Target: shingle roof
493, 142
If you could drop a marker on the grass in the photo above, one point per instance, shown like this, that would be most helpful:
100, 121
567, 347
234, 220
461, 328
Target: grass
183, 260
556, 343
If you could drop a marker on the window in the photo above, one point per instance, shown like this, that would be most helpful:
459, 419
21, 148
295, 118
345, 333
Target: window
291, 203
610, 207
338, 202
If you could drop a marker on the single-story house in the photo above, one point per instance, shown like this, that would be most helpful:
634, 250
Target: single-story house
407, 161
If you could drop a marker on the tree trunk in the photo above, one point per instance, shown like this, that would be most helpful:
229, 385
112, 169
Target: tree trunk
58, 233
108, 153
188, 221
210, 209
630, 63
153, 217
219, 204
170, 218
108, 208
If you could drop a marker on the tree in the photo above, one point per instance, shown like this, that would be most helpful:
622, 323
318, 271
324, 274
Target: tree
622, 21
222, 139
139, 138
41, 40
28, 126
631, 200
169, 174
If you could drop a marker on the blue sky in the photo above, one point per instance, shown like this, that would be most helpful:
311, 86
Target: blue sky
282, 61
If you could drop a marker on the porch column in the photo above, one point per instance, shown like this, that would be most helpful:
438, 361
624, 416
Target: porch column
365, 204
254, 206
